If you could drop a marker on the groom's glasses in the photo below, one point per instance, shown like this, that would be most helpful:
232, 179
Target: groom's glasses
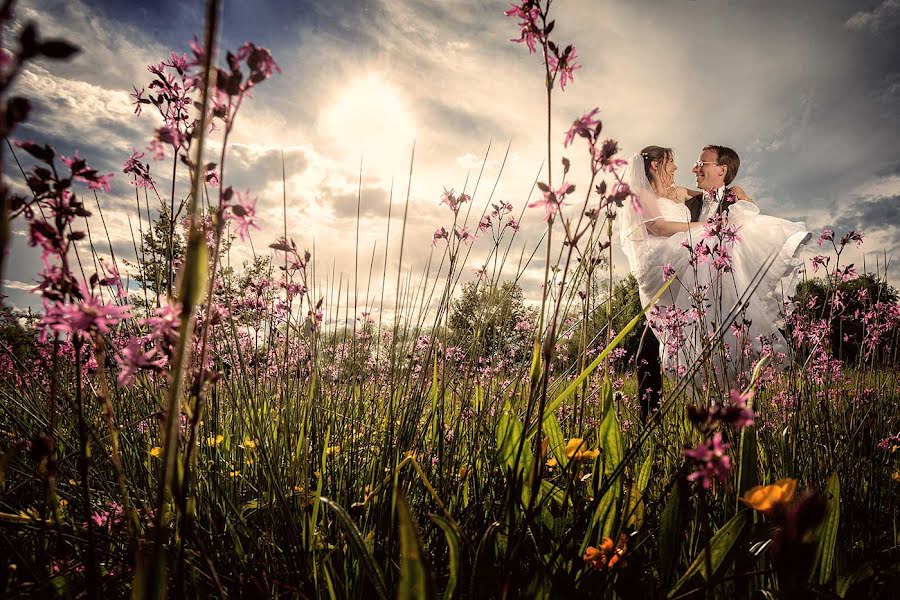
701, 163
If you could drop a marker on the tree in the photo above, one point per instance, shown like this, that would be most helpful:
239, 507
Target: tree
844, 303
491, 321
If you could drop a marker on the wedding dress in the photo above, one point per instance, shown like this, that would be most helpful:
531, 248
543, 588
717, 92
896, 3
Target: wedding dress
723, 277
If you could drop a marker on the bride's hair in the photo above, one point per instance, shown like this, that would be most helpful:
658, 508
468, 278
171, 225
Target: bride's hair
655, 153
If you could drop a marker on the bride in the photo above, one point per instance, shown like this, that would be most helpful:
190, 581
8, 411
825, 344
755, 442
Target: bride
721, 265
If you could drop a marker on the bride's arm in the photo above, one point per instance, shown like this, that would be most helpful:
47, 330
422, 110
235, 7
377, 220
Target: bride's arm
683, 194
740, 194
669, 228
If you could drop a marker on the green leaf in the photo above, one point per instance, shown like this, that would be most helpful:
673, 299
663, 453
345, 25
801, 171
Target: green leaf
748, 466
556, 440
509, 436
823, 563
635, 504
719, 546
605, 515
551, 407
845, 582
356, 542
612, 443
415, 577
671, 530
452, 552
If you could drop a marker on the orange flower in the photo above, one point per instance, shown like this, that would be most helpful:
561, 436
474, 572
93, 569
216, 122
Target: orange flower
607, 556
766, 497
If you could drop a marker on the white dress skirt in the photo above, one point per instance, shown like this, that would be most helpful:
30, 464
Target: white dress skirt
704, 297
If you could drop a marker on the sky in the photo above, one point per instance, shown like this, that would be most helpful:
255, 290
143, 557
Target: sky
807, 92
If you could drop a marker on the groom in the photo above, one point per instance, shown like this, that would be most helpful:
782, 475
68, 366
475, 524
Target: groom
714, 170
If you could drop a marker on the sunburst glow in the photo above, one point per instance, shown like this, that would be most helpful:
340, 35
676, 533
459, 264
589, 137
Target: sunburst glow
370, 116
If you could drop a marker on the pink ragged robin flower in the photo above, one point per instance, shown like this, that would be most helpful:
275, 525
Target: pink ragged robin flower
564, 65
826, 236
243, 213
530, 32
583, 126
711, 460
85, 317
552, 201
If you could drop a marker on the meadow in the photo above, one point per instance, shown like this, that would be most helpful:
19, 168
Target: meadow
202, 429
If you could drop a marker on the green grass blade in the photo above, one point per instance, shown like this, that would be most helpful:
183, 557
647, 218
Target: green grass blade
823, 563
719, 547
415, 576
376, 578
452, 552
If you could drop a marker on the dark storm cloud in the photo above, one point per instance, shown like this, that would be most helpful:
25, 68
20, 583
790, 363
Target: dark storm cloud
880, 214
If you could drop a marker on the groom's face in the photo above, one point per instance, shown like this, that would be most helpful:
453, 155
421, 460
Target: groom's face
709, 174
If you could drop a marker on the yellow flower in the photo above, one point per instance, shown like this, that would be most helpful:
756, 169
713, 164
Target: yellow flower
249, 444
332, 450
234, 473
156, 451
215, 441
766, 497
576, 449
30, 513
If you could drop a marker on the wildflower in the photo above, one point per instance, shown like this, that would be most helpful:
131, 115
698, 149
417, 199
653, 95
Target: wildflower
576, 450
764, 498
243, 214
133, 357
530, 32
155, 452
583, 126
88, 316
215, 440
607, 556
552, 201
564, 65
249, 444
439, 233
668, 271
711, 459
512, 223
820, 261
852, 236
826, 236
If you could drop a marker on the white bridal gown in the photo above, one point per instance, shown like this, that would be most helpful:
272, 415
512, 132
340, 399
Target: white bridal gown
762, 238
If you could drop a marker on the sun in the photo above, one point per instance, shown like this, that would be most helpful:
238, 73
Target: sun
371, 117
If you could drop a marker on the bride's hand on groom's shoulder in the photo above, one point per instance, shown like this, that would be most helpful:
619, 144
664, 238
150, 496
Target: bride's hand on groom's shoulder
741, 195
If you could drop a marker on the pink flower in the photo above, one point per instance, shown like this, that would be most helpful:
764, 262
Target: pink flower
88, 316
484, 224
243, 214
565, 66
738, 413
157, 150
583, 126
439, 233
530, 32
827, 236
513, 223
462, 234
552, 201
852, 236
668, 271
133, 357
711, 460
820, 261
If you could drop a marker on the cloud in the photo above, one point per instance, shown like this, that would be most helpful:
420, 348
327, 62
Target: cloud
883, 17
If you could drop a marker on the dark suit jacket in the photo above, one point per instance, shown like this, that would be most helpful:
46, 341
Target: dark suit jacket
695, 205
